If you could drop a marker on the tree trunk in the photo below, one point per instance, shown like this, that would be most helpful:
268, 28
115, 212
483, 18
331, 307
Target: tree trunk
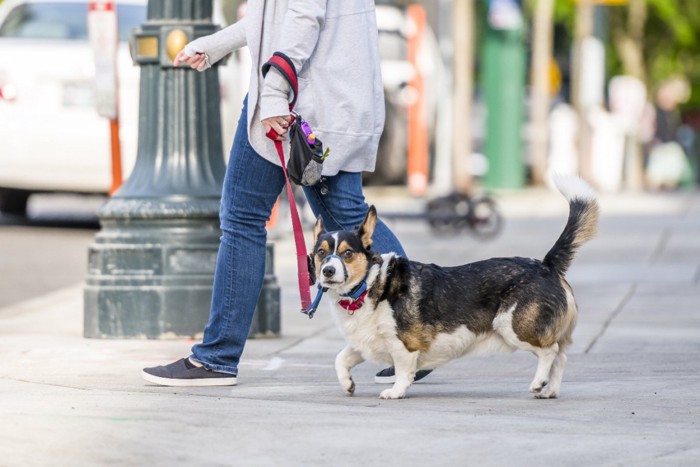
541, 92
463, 69
630, 41
584, 29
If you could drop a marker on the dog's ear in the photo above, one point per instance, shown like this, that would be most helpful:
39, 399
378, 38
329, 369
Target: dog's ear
318, 229
366, 230
312, 269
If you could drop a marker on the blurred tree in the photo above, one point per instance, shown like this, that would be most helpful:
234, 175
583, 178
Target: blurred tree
671, 42
627, 27
650, 39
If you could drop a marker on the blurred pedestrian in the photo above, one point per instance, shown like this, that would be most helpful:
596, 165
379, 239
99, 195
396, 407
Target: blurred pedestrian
669, 96
333, 46
668, 165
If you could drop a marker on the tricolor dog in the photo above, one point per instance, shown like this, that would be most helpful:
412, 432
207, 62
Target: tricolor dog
420, 316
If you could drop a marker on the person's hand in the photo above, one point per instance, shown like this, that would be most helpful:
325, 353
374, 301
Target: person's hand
197, 61
280, 124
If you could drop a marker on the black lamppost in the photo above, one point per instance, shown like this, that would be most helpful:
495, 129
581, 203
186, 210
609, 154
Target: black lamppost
151, 266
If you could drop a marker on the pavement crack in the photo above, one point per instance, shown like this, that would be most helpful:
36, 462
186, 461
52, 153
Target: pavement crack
616, 311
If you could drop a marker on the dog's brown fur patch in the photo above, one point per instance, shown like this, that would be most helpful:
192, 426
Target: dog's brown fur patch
318, 229
525, 325
528, 329
417, 337
317, 260
568, 321
589, 224
356, 265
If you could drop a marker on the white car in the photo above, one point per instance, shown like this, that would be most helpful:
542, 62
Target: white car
51, 136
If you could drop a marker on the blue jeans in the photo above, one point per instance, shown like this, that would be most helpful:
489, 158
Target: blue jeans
251, 187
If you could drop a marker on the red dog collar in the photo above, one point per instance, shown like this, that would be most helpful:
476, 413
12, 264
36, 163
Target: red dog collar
353, 305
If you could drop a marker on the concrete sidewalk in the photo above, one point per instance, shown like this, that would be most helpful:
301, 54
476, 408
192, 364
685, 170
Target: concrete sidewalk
629, 396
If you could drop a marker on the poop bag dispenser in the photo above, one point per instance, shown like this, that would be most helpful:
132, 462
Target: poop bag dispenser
306, 154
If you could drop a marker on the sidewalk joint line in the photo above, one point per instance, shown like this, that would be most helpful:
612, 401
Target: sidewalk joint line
616, 311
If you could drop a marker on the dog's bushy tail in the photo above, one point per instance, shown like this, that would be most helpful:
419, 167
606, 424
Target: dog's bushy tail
581, 225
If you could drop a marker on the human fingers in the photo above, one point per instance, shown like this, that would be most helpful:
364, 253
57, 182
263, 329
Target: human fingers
191, 60
195, 61
202, 64
279, 124
180, 57
280, 121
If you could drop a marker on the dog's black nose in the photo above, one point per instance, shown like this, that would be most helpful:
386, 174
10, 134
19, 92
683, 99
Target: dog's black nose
328, 271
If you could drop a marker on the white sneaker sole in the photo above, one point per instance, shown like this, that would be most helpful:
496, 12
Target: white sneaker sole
390, 379
384, 379
189, 382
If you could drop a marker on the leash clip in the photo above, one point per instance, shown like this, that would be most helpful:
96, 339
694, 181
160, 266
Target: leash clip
311, 310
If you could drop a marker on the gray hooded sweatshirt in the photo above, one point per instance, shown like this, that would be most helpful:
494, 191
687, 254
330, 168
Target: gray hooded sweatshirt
333, 45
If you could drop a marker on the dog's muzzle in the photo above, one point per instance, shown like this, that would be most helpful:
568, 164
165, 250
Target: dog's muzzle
333, 270
329, 268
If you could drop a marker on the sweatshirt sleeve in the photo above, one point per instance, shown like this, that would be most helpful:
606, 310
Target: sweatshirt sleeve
216, 46
298, 37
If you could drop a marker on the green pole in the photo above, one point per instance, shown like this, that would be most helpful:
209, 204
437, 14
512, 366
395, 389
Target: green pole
503, 84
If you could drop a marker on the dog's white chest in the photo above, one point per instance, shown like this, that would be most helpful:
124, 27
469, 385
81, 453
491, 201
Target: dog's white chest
370, 331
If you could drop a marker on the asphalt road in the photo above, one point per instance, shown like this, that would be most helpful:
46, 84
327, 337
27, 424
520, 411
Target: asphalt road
47, 250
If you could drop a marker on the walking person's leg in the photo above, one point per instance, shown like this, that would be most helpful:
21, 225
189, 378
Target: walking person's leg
251, 187
344, 208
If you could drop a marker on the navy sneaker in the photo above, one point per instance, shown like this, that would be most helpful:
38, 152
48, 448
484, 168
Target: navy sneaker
184, 373
387, 376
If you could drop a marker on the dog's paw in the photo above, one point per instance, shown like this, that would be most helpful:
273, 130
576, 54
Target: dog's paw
537, 386
547, 394
392, 394
349, 386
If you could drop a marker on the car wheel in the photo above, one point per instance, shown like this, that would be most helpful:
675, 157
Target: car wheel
14, 201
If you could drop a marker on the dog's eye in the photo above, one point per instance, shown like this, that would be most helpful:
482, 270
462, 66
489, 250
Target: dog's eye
321, 253
347, 254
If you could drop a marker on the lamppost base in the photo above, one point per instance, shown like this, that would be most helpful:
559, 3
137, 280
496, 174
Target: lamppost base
151, 269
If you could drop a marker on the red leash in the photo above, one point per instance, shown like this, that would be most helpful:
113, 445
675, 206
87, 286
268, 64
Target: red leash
285, 66
302, 265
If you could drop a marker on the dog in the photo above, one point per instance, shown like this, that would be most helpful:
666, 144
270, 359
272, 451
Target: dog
420, 316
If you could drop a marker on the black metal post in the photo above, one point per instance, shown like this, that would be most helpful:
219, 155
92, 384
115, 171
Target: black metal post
266, 321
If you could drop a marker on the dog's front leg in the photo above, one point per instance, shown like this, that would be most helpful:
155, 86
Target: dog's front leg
344, 362
405, 367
